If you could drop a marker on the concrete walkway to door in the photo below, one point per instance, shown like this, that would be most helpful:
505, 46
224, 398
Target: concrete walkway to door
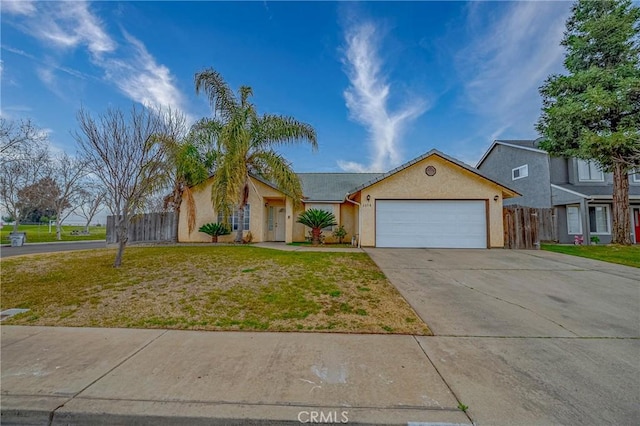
325, 248
527, 337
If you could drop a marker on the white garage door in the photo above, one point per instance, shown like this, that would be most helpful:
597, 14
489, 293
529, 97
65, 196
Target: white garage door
436, 224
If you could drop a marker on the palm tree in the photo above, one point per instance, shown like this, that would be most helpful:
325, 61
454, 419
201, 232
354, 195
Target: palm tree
189, 165
245, 144
316, 219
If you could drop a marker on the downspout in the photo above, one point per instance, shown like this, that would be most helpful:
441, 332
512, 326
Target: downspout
585, 221
359, 217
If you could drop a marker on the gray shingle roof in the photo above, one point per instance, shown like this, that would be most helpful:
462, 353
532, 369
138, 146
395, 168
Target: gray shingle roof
597, 190
332, 186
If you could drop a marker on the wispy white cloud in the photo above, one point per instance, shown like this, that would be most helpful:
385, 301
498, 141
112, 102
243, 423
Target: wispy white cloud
71, 24
128, 66
367, 99
509, 58
18, 7
142, 79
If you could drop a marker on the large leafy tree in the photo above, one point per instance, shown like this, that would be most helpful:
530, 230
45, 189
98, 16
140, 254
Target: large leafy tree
593, 112
245, 143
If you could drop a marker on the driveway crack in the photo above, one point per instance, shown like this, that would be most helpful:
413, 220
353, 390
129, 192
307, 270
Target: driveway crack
127, 358
444, 380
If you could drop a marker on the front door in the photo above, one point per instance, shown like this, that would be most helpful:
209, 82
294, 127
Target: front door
276, 223
636, 224
280, 224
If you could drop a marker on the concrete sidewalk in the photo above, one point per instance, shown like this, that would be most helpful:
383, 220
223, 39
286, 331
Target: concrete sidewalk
56, 375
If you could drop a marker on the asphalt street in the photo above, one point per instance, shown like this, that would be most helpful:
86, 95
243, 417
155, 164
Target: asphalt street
35, 248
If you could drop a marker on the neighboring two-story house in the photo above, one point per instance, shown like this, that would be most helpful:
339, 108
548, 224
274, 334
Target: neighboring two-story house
580, 192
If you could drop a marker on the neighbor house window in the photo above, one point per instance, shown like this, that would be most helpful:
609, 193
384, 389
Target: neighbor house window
635, 176
520, 172
233, 219
326, 207
574, 224
589, 171
599, 220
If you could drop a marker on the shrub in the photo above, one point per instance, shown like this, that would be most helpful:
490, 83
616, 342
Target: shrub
340, 233
316, 219
215, 230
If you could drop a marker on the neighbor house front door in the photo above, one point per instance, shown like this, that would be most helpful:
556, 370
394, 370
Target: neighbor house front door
636, 224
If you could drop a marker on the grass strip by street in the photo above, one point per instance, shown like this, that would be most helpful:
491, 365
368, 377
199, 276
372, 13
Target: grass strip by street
207, 288
41, 234
624, 255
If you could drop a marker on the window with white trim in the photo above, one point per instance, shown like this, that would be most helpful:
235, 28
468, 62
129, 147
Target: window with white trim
599, 220
233, 219
326, 207
635, 176
520, 172
589, 171
574, 224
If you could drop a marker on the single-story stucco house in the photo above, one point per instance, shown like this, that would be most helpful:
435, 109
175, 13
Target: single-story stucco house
431, 201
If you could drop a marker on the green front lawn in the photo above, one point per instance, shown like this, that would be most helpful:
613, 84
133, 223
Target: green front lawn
624, 255
40, 233
208, 288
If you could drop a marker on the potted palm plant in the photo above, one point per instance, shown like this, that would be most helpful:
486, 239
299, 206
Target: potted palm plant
316, 219
215, 230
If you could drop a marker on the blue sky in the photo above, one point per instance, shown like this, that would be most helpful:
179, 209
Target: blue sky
381, 82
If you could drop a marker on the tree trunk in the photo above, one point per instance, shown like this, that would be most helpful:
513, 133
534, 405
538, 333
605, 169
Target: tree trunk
240, 224
58, 229
214, 238
122, 230
86, 227
245, 197
177, 202
621, 219
315, 236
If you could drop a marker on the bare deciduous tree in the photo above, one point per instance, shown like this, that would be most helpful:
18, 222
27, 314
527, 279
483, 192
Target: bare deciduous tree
67, 173
24, 159
92, 201
127, 154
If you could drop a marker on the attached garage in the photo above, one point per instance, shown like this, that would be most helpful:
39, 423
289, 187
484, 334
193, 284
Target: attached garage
431, 223
433, 201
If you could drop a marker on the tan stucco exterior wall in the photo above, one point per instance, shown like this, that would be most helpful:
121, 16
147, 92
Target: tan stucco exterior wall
450, 182
205, 214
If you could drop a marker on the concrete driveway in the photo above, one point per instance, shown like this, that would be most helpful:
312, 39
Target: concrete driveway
527, 337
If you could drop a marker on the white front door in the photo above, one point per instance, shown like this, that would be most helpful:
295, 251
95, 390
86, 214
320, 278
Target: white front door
431, 223
280, 223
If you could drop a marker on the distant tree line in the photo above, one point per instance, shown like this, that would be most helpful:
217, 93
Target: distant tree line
37, 185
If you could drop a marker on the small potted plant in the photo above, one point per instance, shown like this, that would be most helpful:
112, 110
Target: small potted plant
595, 240
215, 230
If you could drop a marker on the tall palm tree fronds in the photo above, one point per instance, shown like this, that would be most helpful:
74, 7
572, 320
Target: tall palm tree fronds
245, 144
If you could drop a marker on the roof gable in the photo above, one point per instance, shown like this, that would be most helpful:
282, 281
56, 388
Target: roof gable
523, 144
422, 157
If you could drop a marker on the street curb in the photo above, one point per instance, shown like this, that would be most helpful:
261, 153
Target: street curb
105, 413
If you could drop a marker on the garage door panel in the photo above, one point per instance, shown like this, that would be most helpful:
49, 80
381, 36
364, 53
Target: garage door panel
431, 223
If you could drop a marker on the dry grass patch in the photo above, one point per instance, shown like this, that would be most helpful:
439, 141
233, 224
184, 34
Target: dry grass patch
207, 288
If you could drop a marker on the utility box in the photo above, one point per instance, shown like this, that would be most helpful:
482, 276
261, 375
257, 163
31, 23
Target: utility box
17, 239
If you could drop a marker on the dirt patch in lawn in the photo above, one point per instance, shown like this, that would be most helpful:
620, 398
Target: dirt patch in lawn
207, 288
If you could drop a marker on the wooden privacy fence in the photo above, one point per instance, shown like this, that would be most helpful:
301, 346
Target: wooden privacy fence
525, 227
148, 227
